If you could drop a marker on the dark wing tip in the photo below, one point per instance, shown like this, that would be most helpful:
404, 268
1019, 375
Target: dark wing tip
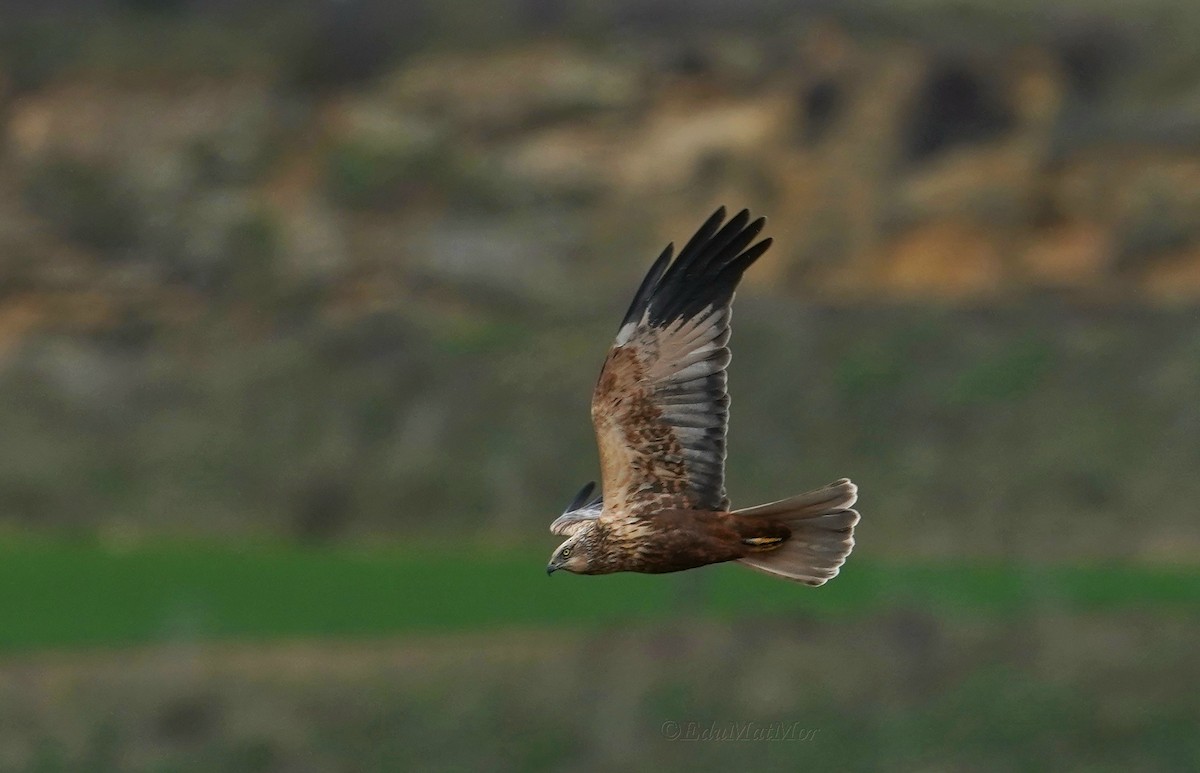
709, 267
705, 272
755, 252
581, 498
645, 290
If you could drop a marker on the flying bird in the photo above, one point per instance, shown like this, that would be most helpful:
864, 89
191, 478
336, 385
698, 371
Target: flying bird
660, 410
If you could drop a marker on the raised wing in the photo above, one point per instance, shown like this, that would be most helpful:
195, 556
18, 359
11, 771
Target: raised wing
660, 408
584, 507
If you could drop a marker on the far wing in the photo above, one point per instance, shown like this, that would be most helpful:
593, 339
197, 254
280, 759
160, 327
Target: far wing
660, 408
583, 508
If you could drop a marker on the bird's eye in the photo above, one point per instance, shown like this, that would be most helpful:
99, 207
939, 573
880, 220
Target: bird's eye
566, 553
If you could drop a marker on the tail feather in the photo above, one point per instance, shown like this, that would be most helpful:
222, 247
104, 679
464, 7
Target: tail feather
822, 524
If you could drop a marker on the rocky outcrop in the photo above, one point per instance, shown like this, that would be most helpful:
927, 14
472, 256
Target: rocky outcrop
888, 168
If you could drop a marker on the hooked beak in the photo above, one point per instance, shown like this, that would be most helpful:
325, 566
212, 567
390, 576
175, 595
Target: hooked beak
551, 569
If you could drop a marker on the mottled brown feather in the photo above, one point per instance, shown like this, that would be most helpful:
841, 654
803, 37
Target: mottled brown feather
678, 539
641, 458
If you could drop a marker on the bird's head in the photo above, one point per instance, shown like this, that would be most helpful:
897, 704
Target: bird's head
579, 523
577, 554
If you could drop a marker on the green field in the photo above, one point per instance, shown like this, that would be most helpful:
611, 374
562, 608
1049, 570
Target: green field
196, 657
67, 595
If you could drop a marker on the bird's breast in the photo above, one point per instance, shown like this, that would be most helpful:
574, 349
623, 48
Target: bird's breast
672, 540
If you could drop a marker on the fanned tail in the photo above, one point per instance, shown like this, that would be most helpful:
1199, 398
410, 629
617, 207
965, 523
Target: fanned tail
822, 524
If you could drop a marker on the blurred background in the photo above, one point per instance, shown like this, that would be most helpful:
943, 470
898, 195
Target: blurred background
301, 304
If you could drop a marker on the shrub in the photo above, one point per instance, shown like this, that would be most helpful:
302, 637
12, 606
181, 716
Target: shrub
87, 202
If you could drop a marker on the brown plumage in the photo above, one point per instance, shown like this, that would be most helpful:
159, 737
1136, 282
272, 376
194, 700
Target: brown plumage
660, 410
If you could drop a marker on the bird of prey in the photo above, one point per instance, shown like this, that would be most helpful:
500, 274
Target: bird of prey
660, 411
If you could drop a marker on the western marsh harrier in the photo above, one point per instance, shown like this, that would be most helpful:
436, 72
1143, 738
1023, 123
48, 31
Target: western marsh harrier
660, 411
